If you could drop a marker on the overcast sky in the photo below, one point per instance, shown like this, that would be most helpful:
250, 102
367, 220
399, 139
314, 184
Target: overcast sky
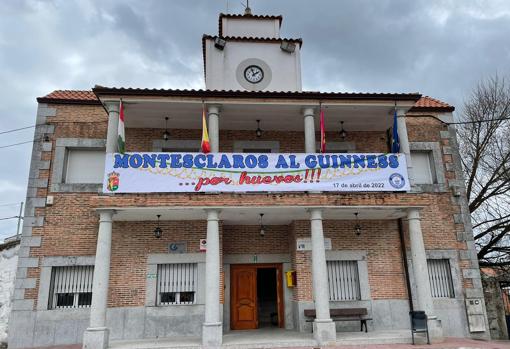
437, 48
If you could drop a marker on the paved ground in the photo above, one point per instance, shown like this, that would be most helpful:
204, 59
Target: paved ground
450, 343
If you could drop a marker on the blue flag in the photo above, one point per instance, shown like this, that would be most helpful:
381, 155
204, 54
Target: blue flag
395, 142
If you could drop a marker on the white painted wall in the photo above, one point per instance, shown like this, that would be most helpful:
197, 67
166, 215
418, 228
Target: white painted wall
8, 264
221, 65
258, 28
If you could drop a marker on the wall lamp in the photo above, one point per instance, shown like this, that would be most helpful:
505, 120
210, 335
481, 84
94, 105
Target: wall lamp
288, 46
158, 231
219, 43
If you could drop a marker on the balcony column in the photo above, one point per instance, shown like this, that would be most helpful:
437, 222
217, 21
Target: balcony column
96, 335
324, 330
308, 114
113, 125
421, 275
212, 331
214, 127
404, 142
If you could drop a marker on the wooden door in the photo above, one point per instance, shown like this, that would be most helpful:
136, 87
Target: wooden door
244, 298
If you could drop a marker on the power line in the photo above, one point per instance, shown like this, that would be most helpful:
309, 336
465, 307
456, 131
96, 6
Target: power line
51, 123
20, 143
17, 129
4, 218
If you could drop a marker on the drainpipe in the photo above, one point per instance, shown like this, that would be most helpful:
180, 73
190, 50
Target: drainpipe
404, 258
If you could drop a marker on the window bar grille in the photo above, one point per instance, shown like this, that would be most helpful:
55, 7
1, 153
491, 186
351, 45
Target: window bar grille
440, 278
73, 281
176, 279
343, 278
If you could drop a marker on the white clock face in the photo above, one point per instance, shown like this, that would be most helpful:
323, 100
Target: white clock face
253, 74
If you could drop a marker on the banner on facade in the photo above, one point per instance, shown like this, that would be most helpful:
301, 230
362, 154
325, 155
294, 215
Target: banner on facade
277, 172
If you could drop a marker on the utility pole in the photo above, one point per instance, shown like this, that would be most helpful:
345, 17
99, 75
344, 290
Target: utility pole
18, 233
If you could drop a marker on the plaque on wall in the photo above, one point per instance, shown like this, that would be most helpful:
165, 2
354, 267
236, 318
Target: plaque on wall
177, 247
305, 244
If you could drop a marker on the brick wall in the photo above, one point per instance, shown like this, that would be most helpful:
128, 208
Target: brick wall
70, 224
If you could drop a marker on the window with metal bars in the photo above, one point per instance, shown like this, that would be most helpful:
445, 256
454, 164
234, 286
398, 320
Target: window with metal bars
71, 287
343, 280
177, 283
440, 277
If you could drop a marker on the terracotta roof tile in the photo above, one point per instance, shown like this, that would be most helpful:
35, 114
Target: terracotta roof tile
70, 96
426, 103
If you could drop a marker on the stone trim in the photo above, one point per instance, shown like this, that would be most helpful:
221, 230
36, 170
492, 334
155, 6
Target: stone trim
161, 258
31, 203
192, 144
437, 158
260, 258
45, 276
239, 146
60, 161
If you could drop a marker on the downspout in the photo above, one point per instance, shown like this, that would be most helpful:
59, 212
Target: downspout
404, 258
402, 240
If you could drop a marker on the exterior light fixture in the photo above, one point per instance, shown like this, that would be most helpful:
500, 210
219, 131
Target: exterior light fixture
262, 228
357, 226
158, 231
288, 46
343, 133
258, 131
166, 134
219, 43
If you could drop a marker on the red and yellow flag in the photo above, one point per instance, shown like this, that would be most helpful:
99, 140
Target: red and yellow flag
206, 146
323, 133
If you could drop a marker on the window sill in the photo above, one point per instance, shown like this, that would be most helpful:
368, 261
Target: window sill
76, 187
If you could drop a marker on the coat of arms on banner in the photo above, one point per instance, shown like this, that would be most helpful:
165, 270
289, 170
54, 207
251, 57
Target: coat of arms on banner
113, 181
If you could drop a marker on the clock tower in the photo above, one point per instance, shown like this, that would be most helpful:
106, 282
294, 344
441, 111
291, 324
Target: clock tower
249, 54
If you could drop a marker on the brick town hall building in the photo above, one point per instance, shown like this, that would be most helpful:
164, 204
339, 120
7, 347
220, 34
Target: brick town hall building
169, 242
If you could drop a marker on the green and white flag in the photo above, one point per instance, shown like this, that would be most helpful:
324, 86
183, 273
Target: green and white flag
121, 135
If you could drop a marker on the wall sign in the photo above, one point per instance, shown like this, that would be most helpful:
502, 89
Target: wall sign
228, 172
305, 244
203, 245
177, 247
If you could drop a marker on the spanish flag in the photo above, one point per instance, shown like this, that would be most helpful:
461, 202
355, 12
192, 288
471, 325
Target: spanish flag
206, 146
323, 133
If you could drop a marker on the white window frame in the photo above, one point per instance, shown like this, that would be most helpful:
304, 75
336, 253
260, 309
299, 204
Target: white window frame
151, 294
441, 278
174, 273
360, 256
242, 146
69, 151
59, 164
47, 264
74, 277
437, 166
431, 167
342, 270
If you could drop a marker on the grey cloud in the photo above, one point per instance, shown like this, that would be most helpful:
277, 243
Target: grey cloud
439, 48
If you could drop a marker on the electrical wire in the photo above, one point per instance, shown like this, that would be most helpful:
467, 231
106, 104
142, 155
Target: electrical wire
4, 218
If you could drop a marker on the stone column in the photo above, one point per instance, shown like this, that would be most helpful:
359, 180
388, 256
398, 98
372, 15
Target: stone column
421, 275
308, 114
96, 335
113, 125
214, 128
404, 142
212, 327
323, 327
